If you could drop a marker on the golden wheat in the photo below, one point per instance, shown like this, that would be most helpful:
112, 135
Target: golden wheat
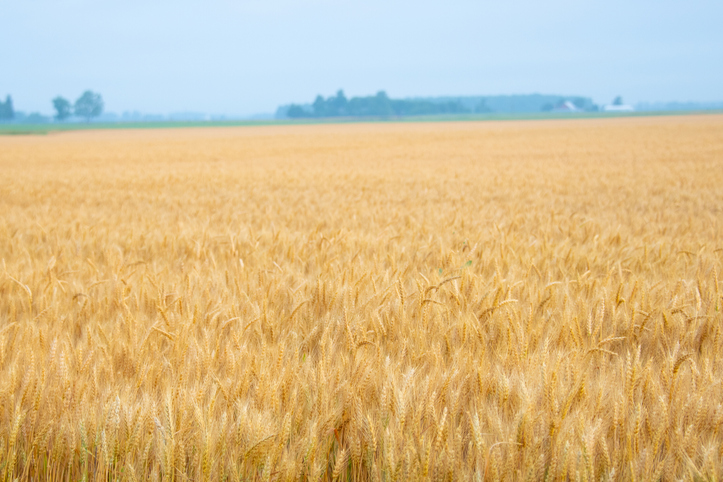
521, 300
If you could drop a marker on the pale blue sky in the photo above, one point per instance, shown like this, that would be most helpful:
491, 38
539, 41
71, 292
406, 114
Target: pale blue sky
244, 57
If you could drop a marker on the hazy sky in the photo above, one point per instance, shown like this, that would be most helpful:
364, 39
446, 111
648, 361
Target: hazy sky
244, 57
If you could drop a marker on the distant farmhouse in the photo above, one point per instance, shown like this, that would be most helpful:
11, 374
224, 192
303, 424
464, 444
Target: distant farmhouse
618, 106
566, 106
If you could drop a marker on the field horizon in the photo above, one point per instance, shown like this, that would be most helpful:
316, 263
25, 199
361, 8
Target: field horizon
55, 127
490, 300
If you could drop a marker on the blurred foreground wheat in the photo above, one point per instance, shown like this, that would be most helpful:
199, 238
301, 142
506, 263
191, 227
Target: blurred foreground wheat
530, 300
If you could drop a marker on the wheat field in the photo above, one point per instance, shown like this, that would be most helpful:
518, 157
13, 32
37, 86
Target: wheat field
528, 300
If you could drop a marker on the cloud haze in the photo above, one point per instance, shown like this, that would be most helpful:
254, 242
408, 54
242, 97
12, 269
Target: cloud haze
241, 57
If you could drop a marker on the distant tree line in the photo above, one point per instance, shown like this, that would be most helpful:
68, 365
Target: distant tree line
87, 106
379, 105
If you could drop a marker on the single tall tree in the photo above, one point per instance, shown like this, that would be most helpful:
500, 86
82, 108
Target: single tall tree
6, 109
88, 105
62, 107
